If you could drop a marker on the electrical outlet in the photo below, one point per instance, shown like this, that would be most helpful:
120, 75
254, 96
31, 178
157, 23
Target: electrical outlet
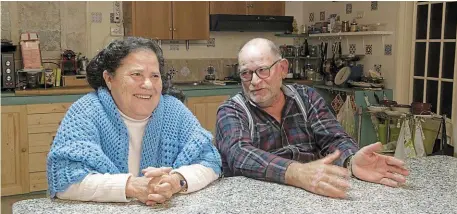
360, 14
117, 31
117, 12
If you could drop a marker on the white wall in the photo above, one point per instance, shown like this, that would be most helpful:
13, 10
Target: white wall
227, 43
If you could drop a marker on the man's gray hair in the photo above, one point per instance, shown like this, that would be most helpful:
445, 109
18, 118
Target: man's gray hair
275, 52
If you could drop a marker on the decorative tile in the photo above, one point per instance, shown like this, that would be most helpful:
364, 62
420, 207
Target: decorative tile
388, 49
211, 42
374, 5
352, 49
377, 68
311, 17
322, 16
348, 8
368, 49
96, 17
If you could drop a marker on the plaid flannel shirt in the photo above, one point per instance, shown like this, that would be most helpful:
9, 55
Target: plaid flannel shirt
275, 144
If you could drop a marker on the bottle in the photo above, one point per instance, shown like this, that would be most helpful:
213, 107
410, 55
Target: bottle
306, 47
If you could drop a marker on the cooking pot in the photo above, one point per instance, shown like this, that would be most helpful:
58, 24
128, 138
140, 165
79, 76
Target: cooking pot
421, 108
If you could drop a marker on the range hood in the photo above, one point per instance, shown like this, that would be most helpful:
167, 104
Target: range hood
250, 23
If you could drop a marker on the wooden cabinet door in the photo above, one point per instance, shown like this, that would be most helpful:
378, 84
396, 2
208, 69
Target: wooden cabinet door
272, 8
190, 20
205, 109
151, 19
228, 7
15, 174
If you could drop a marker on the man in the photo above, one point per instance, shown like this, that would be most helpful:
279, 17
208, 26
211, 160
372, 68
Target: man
288, 135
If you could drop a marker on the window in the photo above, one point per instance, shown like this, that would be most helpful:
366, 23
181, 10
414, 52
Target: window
434, 75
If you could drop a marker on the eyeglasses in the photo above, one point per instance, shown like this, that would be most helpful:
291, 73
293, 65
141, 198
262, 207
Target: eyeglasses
262, 72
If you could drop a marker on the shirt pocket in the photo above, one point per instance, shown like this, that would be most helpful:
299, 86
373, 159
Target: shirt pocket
305, 132
263, 133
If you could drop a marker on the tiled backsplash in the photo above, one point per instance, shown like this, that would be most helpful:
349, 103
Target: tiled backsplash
198, 67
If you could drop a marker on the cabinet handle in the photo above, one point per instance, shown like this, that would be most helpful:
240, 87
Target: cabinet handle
171, 29
24, 149
174, 29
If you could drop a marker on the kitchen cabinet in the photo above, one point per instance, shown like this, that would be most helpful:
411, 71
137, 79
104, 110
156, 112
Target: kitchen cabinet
205, 109
271, 8
27, 134
167, 20
43, 121
15, 178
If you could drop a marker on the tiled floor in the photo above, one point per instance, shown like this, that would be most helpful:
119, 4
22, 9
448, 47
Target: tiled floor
8, 201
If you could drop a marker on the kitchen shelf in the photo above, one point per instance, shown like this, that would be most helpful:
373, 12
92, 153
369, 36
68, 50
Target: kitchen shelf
361, 33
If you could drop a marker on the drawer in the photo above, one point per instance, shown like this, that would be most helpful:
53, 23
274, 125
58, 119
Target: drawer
49, 128
48, 108
37, 162
41, 119
40, 142
38, 181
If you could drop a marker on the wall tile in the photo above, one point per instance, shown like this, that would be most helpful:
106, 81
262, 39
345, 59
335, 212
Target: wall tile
368, 49
374, 5
388, 49
348, 8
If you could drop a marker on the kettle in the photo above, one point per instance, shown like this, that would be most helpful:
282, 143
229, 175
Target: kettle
82, 65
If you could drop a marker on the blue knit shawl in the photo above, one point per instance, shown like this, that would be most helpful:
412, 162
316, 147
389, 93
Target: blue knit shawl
93, 138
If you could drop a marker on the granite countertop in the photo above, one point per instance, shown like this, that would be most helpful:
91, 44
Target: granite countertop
431, 188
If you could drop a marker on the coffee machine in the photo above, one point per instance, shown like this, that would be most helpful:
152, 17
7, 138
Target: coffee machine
8, 71
69, 64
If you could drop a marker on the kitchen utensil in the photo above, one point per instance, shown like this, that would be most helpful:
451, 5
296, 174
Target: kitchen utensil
342, 76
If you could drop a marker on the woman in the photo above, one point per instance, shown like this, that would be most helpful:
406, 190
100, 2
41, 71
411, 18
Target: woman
130, 122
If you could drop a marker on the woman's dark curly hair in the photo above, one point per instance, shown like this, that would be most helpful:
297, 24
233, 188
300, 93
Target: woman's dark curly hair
110, 58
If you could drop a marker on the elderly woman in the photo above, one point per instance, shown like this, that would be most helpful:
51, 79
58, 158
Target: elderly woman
131, 138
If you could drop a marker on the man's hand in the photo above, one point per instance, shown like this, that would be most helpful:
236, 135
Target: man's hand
370, 166
320, 177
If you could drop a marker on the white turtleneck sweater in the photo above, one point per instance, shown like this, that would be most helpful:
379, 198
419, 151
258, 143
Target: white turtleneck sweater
111, 187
